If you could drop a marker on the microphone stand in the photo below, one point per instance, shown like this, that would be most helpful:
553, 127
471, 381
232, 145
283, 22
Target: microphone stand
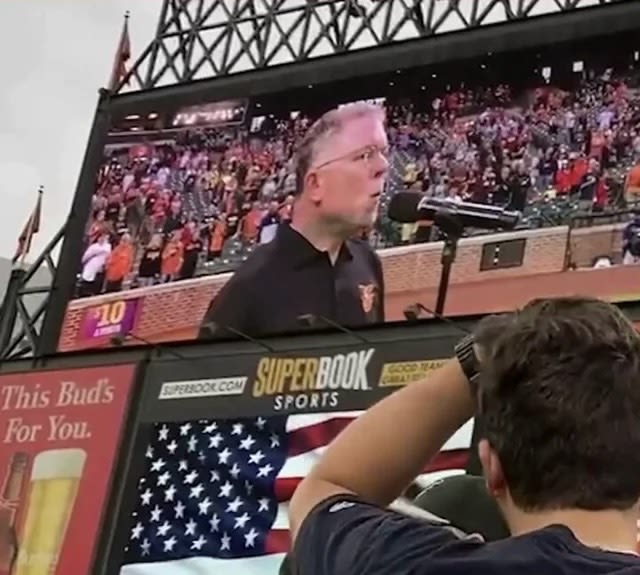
413, 313
452, 228
310, 320
119, 340
213, 327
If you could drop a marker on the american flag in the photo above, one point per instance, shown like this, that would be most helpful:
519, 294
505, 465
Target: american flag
214, 494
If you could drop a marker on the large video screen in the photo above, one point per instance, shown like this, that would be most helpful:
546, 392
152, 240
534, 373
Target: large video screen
192, 199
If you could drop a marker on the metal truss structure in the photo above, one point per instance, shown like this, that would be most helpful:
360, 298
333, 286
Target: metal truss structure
25, 303
204, 39
209, 39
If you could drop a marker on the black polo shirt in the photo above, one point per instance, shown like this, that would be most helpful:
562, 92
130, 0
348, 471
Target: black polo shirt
289, 278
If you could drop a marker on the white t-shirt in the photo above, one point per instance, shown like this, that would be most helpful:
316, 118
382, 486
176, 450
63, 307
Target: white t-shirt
94, 260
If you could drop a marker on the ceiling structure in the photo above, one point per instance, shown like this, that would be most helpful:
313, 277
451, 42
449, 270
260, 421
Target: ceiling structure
206, 39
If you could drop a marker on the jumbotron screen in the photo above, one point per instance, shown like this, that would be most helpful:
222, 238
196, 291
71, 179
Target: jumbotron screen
187, 197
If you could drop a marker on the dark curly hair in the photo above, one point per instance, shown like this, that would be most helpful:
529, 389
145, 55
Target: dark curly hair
559, 402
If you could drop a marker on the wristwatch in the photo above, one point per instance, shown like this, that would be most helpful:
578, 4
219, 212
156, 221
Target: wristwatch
466, 354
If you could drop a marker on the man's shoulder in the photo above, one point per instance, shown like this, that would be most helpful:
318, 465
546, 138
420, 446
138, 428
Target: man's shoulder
259, 262
360, 247
346, 535
551, 549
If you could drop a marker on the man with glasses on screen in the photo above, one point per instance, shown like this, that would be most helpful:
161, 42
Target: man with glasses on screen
314, 272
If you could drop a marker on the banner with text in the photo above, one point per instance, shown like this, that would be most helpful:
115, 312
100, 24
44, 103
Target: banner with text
330, 379
108, 319
229, 112
59, 433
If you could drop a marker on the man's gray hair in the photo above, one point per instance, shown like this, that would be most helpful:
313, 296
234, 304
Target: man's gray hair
326, 126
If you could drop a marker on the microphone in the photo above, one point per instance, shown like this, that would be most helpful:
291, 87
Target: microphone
410, 207
413, 313
214, 328
120, 339
312, 320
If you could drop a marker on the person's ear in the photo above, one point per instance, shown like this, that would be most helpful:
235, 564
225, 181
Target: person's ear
313, 186
492, 469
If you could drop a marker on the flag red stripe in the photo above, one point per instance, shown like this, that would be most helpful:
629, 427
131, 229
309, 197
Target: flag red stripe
444, 461
314, 436
284, 488
277, 541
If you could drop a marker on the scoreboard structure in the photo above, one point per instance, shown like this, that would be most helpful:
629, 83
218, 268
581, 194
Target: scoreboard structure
209, 51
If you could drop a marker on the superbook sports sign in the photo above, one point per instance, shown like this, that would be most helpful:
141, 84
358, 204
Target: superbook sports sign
305, 383
246, 385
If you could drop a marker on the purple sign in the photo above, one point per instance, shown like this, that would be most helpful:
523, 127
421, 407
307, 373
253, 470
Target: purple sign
109, 318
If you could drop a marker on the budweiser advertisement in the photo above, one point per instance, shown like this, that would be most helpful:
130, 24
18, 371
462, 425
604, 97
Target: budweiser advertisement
59, 433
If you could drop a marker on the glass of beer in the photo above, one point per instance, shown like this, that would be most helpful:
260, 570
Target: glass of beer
55, 477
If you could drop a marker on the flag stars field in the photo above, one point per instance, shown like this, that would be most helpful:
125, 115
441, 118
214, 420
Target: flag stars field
226, 489
163, 529
215, 440
214, 495
196, 491
170, 493
235, 471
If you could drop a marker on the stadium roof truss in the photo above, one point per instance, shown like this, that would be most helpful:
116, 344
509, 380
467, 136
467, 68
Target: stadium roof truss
230, 48
204, 39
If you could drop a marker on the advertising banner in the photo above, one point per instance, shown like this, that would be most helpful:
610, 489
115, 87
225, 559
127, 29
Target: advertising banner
225, 113
334, 378
108, 319
59, 433
233, 436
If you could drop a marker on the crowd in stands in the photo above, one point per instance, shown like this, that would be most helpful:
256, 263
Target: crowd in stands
202, 201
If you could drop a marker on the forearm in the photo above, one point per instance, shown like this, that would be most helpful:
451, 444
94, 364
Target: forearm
382, 451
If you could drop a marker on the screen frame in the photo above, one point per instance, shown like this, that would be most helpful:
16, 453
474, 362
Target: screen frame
505, 37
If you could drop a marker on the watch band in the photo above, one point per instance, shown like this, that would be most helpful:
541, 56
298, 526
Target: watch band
468, 360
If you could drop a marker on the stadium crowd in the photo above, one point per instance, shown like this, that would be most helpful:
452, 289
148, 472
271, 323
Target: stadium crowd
201, 202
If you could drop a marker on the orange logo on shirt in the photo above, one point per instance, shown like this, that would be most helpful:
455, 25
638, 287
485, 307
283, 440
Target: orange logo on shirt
368, 293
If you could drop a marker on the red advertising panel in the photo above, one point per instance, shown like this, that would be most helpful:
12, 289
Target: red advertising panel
59, 432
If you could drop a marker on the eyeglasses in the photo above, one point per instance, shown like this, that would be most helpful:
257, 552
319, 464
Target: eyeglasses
365, 155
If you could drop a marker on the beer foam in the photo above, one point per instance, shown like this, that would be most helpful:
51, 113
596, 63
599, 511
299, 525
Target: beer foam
58, 464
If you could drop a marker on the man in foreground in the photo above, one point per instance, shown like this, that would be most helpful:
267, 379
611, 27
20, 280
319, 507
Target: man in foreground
557, 387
